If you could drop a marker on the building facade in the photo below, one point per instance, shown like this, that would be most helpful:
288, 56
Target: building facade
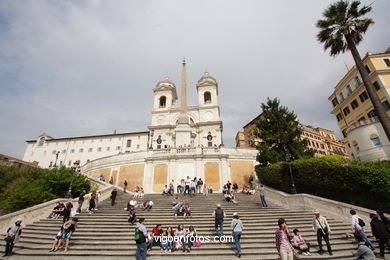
354, 111
182, 141
322, 141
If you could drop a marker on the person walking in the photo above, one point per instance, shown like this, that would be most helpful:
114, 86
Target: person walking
68, 210
380, 231
69, 228
92, 204
237, 228
199, 185
282, 239
187, 185
13, 233
81, 201
219, 216
321, 226
358, 228
114, 192
125, 186
141, 239
262, 196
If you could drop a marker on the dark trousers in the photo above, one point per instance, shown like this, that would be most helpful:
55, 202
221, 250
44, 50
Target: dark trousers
79, 207
66, 216
219, 224
9, 247
179, 189
113, 201
187, 189
263, 202
321, 235
140, 253
382, 242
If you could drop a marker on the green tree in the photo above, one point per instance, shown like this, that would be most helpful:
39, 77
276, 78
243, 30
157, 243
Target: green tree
280, 134
342, 29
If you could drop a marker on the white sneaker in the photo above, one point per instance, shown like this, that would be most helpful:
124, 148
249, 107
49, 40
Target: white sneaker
304, 253
308, 253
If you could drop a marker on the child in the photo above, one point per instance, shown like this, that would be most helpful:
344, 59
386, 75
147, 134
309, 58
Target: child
300, 244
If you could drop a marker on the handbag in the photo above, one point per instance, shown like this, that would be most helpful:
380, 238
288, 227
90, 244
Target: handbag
324, 230
9, 239
178, 245
198, 243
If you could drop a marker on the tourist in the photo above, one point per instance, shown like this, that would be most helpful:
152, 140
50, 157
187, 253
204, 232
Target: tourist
157, 233
166, 191
125, 186
262, 197
81, 201
358, 228
228, 185
57, 239
235, 187
92, 204
136, 192
237, 228
380, 232
133, 202
175, 202
321, 226
172, 187
180, 209
382, 217
250, 181
170, 237
191, 236
205, 190
132, 218
111, 181
187, 186
363, 251
56, 211
193, 187
282, 238
225, 190
187, 211
67, 210
210, 189
179, 187
199, 185
183, 185
148, 205
181, 233
300, 244
13, 234
69, 228
141, 239
141, 193
219, 215
114, 192
97, 199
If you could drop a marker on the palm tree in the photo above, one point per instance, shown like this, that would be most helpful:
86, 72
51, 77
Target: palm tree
342, 30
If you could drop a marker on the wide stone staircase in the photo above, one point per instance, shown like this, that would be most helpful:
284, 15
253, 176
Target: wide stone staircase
106, 234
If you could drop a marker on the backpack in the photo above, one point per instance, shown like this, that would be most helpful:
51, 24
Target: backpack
139, 236
200, 182
361, 222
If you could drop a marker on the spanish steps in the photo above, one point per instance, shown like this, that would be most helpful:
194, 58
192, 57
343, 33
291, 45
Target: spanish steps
106, 234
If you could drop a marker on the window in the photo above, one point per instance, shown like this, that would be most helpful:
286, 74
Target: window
118, 148
376, 86
69, 163
371, 113
72, 151
346, 111
108, 148
207, 97
41, 141
357, 81
163, 101
137, 146
354, 104
89, 150
344, 132
64, 151
367, 69
356, 146
386, 105
99, 149
322, 146
339, 117
54, 152
387, 61
363, 97
375, 140
81, 150
128, 144
361, 119
335, 102
349, 89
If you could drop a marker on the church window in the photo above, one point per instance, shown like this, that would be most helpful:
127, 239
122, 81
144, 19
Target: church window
41, 141
108, 148
207, 97
99, 149
118, 148
90, 150
81, 150
163, 101
128, 143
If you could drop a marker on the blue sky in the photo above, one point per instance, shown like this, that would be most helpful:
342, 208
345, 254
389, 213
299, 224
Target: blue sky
72, 68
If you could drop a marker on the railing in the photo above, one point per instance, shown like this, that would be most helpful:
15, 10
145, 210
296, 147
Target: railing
363, 122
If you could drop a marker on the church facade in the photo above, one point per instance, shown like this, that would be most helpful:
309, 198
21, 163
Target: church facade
182, 141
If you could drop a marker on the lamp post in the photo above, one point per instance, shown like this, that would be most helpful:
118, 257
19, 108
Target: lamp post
289, 158
75, 170
55, 163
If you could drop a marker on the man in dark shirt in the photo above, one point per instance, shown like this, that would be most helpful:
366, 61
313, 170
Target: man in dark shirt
81, 201
219, 216
114, 192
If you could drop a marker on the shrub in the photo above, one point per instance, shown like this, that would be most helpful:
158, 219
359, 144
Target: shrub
365, 184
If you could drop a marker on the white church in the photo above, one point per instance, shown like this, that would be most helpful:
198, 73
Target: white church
181, 141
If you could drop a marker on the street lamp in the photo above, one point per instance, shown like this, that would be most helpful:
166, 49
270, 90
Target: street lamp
55, 163
75, 167
289, 158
